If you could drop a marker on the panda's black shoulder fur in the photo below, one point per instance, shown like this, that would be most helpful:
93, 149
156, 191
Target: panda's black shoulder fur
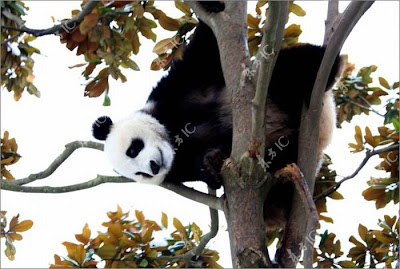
190, 96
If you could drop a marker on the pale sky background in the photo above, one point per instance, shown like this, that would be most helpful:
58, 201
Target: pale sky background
43, 126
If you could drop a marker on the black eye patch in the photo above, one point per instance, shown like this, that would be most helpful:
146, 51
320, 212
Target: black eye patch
134, 149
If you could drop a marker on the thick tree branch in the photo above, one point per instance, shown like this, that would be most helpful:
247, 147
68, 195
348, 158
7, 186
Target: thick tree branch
368, 155
69, 25
208, 18
266, 58
333, 13
309, 134
69, 149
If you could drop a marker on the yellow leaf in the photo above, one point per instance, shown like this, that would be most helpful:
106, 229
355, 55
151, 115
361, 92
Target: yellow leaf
147, 236
382, 238
296, 9
178, 225
369, 138
80, 254
85, 236
140, 217
336, 196
252, 21
152, 253
23, 226
164, 217
384, 83
182, 7
293, 30
358, 135
362, 231
14, 236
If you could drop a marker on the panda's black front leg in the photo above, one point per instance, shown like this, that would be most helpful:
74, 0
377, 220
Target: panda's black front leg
212, 164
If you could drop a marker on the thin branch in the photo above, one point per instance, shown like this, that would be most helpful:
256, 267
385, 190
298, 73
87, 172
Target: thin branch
69, 149
310, 119
307, 159
331, 19
207, 237
67, 26
18, 185
9, 39
9, 185
368, 155
272, 39
194, 195
365, 107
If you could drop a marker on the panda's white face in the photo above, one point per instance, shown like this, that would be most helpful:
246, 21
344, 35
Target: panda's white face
138, 148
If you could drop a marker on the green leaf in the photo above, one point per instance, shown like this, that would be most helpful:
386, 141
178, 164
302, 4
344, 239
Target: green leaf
107, 100
144, 263
395, 124
131, 64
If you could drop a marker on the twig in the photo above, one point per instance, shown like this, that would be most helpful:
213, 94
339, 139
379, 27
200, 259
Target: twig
69, 149
70, 24
368, 155
365, 107
272, 39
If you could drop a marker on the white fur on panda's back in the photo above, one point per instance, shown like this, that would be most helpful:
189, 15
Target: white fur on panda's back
327, 124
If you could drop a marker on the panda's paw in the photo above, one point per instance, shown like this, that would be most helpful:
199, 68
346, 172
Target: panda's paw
213, 161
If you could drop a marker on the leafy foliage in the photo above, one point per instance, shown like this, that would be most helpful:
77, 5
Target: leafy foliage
256, 25
376, 247
15, 227
9, 155
326, 178
130, 243
110, 35
16, 51
355, 95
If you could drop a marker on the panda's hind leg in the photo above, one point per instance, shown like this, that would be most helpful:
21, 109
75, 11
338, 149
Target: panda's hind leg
212, 164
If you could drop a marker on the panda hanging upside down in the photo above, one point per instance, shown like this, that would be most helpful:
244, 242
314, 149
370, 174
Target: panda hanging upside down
187, 117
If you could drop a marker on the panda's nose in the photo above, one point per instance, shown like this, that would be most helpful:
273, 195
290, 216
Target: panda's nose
155, 168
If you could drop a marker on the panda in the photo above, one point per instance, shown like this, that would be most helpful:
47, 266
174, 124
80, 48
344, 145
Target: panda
184, 131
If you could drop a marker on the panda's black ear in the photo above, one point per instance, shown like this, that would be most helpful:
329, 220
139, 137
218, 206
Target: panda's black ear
101, 127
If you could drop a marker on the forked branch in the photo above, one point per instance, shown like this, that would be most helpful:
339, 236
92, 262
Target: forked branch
19, 185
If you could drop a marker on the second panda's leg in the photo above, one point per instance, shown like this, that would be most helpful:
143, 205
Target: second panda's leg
212, 164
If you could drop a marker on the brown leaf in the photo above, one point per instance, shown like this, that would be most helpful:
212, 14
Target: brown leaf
164, 45
164, 220
169, 23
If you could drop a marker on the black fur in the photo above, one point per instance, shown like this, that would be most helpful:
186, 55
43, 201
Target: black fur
101, 127
190, 94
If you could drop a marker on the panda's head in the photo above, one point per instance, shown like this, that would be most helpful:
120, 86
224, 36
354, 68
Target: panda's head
138, 147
